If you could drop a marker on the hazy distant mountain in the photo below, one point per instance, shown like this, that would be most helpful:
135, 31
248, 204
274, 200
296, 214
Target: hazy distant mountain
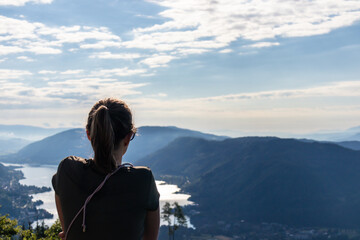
52, 149
74, 142
355, 137
354, 145
354, 129
27, 132
151, 138
12, 145
266, 180
351, 134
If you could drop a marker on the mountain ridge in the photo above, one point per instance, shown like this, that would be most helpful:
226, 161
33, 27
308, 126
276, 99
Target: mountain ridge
32, 133
265, 180
52, 149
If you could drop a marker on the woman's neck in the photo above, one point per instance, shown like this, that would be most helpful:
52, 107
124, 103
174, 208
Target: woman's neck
118, 158
118, 163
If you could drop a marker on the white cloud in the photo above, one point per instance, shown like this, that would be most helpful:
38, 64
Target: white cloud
109, 55
146, 16
25, 58
248, 53
78, 34
253, 104
73, 71
61, 93
4, 50
121, 72
262, 44
278, 110
188, 28
162, 94
148, 74
24, 36
47, 72
6, 74
236, 111
215, 24
158, 95
157, 60
187, 51
18, 3
337, 89
44, 50
97, 88
73, 50
226, 50
102, 44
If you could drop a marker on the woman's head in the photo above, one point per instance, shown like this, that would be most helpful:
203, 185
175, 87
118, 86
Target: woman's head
109, 123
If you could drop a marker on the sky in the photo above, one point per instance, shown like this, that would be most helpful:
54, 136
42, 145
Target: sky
231, 67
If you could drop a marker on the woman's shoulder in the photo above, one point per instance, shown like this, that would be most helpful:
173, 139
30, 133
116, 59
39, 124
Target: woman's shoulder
72, 162
142, 172
142, 169
75, 159
69, 168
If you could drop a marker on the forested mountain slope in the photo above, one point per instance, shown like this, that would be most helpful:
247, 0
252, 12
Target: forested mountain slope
266, 180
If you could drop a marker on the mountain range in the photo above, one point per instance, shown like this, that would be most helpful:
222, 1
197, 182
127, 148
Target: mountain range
255, 179
51, 150
15, 137
30, 133
12, 145
265, 179
351, 134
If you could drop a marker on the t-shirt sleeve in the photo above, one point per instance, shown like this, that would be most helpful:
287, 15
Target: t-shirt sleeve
153, 195
57, 177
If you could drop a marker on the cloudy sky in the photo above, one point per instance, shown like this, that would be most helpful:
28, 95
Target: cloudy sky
232, 67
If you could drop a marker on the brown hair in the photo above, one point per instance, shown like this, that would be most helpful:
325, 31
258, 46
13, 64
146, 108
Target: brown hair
109, 121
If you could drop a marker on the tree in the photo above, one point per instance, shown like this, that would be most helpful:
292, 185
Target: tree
8, 227
179, 218
166, 215
54, 230
174, 216
40, 229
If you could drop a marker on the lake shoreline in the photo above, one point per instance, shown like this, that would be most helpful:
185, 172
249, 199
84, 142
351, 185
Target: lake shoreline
40, 175
18, 197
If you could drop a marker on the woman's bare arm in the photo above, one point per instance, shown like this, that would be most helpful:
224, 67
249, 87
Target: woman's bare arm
152, 224
60, 213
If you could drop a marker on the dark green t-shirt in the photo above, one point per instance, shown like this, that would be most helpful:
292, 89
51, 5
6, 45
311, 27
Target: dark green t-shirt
117, 211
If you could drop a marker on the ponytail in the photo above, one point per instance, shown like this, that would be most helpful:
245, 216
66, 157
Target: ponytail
109, 121
102, 139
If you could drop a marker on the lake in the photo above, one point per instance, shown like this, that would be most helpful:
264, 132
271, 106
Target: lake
41, 176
